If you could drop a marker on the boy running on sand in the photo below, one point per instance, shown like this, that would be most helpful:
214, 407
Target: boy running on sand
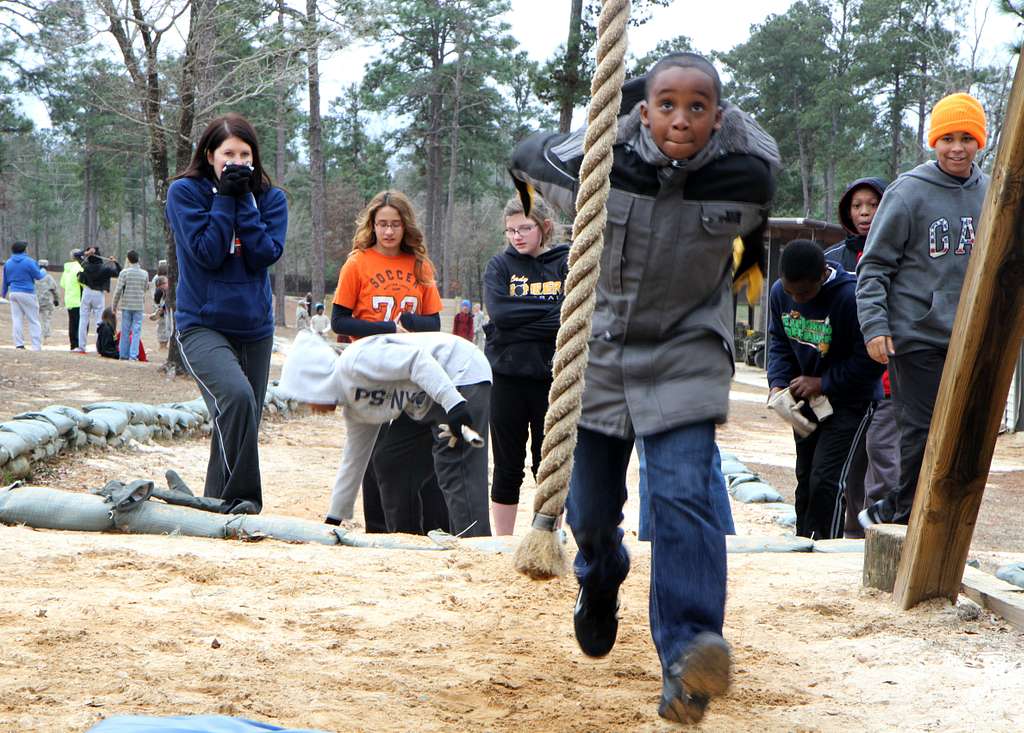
691, 173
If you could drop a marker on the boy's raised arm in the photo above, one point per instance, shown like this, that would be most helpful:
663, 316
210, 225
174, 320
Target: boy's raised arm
535, 162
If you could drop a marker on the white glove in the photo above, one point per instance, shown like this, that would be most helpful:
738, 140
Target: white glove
783, 405
820, 406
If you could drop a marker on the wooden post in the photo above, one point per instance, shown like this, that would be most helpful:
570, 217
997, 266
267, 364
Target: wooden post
883, 546
972, 395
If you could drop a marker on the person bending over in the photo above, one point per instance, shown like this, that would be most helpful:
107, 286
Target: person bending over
433, 378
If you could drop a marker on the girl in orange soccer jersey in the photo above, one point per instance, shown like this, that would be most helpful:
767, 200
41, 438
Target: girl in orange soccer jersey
387, 286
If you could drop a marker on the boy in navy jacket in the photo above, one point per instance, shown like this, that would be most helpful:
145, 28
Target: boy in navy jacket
816, 349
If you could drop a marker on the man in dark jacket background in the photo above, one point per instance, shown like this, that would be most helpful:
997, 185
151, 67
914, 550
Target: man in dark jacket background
95, 277
816, 349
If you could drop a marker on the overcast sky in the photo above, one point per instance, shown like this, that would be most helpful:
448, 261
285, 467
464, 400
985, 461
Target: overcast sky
540, 26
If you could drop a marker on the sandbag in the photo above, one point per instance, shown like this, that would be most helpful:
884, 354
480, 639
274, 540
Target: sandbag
141, 433
60, 421
242, 526
1012, 573
108, 421
97, 441
18, 467
839, 545
755, 492
14, 444
740, 478
196, 407
187, 724
730, 468
737, 544
34, 432
81, 419
45, 508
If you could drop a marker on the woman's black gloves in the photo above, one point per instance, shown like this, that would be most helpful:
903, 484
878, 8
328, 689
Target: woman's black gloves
234, 180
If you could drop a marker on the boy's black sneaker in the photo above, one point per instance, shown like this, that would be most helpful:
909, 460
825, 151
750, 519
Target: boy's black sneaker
869, 516
596, 621
702, 672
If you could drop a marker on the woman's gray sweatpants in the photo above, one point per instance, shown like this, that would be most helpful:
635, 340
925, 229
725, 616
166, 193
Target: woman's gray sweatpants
462, 470
232, 376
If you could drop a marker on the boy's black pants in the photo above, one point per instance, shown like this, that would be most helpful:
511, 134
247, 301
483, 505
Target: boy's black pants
518, 405
73, 327
403, 474
915, 385
823, 462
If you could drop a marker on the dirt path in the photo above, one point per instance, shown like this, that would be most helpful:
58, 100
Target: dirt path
342, 639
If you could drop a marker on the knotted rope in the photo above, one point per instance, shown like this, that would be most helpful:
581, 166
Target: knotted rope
540, 554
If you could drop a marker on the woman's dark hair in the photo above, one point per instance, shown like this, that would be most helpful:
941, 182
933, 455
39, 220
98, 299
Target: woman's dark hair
684, 60
110, 318
219, 130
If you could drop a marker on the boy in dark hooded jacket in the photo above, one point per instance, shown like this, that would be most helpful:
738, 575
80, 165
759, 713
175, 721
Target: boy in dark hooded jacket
816, 348
875, 469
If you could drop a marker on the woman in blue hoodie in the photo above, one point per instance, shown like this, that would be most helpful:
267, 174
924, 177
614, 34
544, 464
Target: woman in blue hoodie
229, 225
523, 290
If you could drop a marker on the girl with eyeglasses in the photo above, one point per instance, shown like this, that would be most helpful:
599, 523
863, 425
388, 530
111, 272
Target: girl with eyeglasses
387, 286
523, 291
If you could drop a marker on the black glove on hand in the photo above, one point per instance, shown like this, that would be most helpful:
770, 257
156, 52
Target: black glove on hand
234, 180
457, 417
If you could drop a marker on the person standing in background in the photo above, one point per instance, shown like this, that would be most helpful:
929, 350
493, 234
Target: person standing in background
96, 274
72, 295
479, 321
463, 324
20, 274
132, 285
46, 297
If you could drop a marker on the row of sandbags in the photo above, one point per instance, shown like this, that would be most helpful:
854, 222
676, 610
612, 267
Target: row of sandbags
35, 436
133, 508
747, 487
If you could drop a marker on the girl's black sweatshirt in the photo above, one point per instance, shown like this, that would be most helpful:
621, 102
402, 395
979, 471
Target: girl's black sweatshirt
523, 296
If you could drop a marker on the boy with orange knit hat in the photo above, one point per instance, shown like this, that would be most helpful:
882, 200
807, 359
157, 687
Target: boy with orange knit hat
910, 276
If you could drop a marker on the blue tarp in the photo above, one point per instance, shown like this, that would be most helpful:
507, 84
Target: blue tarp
187, 724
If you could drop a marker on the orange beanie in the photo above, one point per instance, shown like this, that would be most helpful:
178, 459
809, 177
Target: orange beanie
957, 113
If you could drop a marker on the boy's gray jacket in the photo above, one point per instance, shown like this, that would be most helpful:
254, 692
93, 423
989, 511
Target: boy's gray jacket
374, 380
661, 353
916, 256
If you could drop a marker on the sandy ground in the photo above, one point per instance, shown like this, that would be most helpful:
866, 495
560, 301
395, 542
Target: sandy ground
343, 639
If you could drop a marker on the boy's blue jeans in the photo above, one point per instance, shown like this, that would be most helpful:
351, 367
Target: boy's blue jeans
688, 565
719, 494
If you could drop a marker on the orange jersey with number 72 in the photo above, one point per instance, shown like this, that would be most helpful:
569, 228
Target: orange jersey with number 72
380, 288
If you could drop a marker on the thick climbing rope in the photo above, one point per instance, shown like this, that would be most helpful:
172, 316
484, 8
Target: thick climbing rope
540, 554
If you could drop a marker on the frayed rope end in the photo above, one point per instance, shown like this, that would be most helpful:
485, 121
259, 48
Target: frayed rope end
541, 555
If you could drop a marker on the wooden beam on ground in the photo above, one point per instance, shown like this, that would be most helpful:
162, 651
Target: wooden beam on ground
883, 545
972, 395
1001, 598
